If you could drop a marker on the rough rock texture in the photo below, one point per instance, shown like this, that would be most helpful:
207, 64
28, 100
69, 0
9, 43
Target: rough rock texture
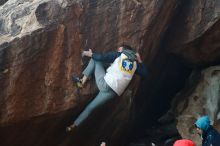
200, 97
35, 67
194, 34
40, 45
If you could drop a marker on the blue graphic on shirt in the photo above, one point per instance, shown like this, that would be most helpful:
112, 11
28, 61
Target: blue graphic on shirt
127, 65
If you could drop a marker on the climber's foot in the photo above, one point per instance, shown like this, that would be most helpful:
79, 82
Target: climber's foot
70, 128
77, 81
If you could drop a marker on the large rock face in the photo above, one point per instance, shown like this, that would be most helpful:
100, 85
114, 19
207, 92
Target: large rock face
194, 34
40, 46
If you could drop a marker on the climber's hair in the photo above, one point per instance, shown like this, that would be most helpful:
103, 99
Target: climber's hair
127, 47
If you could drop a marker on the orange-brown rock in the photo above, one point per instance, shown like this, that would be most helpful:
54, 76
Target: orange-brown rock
40, 47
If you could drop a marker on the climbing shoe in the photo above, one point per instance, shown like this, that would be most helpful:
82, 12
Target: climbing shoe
77, 81
70, 128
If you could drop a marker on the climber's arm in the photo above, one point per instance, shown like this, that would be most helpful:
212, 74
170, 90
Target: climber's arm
141, 70
103, 57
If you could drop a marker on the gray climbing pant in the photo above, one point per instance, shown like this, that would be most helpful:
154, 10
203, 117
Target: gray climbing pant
105, 92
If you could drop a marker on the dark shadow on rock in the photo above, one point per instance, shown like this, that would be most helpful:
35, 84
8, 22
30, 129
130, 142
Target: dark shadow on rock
2, 2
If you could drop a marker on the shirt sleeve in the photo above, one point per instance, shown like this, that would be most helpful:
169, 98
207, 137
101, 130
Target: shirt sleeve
106, 57
209, 140
141, 70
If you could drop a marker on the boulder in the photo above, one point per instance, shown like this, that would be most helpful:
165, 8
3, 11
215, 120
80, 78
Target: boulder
40, 48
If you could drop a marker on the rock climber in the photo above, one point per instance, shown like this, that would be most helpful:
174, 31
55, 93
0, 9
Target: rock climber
125, 62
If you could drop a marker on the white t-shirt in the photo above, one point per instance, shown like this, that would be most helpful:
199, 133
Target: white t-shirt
120, 73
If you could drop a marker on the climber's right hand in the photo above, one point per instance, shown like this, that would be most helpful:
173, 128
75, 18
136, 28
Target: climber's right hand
87, 53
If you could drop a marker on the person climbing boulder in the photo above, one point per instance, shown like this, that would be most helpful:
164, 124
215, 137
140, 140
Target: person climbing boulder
124, 63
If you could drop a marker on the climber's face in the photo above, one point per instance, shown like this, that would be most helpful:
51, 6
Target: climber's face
199, 131
120, 49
